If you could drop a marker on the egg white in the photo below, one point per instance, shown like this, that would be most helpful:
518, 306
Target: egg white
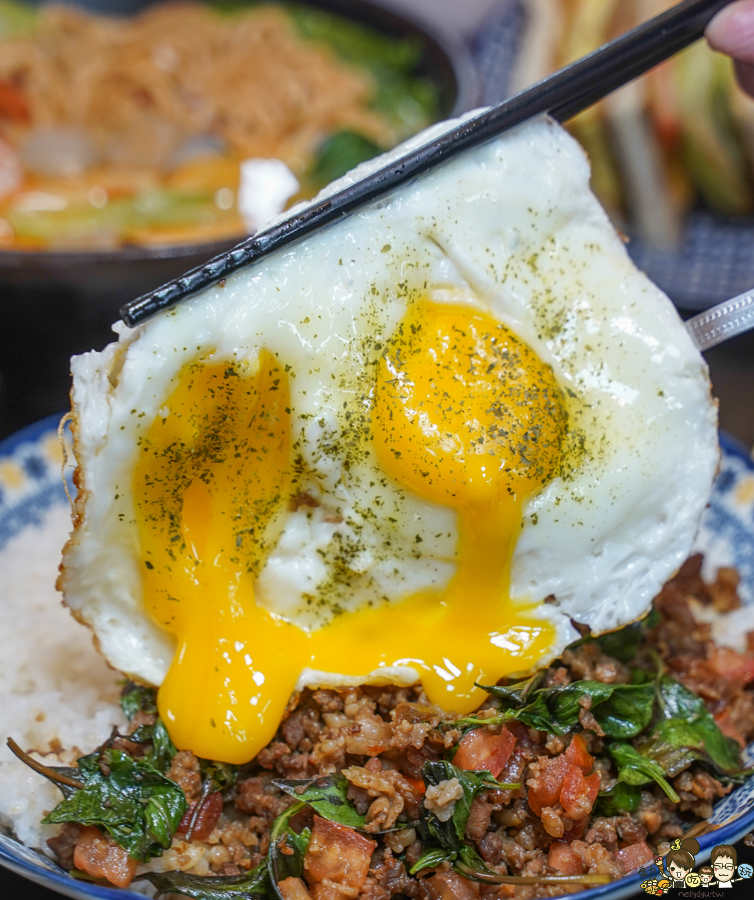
510, 228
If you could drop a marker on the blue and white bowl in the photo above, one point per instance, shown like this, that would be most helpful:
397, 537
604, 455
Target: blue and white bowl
31, 486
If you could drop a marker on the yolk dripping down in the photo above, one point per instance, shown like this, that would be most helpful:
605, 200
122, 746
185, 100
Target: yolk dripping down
465, 415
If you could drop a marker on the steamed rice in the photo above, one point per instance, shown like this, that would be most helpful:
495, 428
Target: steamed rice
57, 691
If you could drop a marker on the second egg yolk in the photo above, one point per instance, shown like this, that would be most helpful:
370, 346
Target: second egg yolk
465, 415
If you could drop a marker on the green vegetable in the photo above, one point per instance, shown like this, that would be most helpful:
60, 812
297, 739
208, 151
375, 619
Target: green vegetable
431, 858
16, 19
338, 154
327, 796
451, 834
282, 865
620, 798
253, 885
688, 733
624, 643
130, 799
622, 710
136, 698
635, 769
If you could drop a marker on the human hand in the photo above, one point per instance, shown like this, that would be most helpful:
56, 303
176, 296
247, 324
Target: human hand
732, 32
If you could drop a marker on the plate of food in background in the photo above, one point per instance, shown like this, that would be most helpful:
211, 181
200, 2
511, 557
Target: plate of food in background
151, 135
123, 142
672, 153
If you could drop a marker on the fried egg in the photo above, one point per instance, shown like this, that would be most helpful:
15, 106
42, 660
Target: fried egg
416, 446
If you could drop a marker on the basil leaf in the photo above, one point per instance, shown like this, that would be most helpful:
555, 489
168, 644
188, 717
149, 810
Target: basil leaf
221, 776
327, 795
516, 694
620, 798
285, 858
253, 885
688, 733
621, 710
471, 865
635, 769
135, 803
451, 834
137, 698
431, 858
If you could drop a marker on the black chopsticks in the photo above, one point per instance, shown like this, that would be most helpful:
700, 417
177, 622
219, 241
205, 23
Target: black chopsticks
562, 95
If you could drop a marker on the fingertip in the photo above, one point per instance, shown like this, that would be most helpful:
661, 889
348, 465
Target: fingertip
731, 31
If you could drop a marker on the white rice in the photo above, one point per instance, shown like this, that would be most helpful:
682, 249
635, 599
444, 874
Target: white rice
55, 689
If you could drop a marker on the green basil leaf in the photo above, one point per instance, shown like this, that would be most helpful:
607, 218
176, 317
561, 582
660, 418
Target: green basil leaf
220, 775
134, 802
688, 733
137, 698
451, 834
431, 858
471, 865
622, 710
253, 885
285, 858
619, 799
516, 694
326, 795
635, 769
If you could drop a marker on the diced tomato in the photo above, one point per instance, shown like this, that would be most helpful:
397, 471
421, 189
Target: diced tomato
480, 751
579, 792
101, 857
206, 818
417, 784
338, 854
562, 858
549, 783
13, 103
578, 754
733, 667
635, 856
294, 889
450, 886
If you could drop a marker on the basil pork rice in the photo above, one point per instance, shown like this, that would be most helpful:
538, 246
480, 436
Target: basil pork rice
573, 777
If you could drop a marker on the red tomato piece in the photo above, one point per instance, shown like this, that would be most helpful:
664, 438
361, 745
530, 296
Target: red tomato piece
338, 854
101, 857
578, 754
635, 856
579, 792
733, 667
545, 788
206, 819
480, 751
562, 858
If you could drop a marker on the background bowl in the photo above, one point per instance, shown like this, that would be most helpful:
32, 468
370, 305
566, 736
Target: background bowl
55, 304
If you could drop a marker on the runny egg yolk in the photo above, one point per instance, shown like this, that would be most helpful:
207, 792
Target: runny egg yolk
464, 415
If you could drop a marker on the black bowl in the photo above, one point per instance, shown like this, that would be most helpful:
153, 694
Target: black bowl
58, 303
